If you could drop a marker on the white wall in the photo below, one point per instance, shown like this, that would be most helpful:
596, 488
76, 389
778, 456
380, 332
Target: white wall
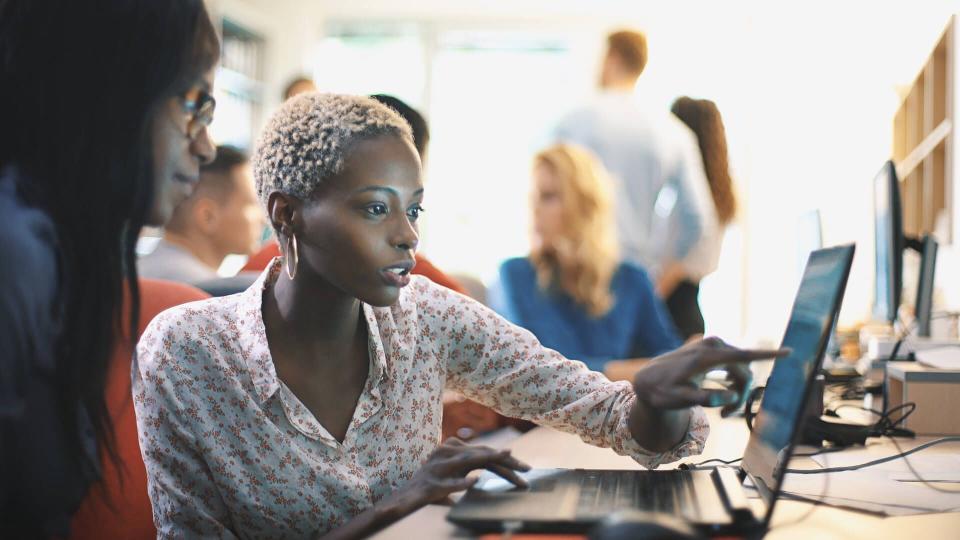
291, 29
808, 95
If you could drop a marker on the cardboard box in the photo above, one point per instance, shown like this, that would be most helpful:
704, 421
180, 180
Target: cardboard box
935, 391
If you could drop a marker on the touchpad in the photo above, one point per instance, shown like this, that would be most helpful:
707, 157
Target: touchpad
550, 495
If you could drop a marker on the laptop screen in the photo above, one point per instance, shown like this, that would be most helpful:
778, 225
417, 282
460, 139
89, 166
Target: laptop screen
788, 387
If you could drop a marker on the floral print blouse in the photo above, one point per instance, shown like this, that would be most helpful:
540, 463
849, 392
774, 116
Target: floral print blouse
231, 452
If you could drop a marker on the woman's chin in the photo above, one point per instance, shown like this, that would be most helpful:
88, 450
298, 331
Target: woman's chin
384, 298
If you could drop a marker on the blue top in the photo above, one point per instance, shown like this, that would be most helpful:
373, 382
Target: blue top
40, 485
637, 326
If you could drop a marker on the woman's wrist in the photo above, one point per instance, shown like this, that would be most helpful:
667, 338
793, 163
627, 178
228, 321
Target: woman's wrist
657, 430
400, 503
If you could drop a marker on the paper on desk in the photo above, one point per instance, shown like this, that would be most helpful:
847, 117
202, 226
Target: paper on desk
940, 358
871, 492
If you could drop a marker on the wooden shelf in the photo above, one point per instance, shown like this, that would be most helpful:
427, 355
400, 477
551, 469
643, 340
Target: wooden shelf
923, 142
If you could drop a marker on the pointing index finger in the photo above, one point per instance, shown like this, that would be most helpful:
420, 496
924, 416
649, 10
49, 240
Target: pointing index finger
733, 355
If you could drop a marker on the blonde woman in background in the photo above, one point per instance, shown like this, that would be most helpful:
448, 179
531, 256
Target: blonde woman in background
573, 291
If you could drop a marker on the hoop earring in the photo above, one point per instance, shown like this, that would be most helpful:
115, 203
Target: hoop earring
296, 258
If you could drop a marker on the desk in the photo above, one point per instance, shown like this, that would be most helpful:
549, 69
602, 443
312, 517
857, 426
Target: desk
544, 447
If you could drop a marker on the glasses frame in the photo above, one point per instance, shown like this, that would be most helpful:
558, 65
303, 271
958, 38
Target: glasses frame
199, 106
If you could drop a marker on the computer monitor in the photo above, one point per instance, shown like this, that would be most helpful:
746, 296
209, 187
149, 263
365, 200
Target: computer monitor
888, 222
924, 306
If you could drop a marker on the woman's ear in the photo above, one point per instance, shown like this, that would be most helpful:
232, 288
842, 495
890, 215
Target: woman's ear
284, 212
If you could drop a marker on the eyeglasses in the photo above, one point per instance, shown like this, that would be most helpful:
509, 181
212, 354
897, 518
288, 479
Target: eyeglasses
199, 106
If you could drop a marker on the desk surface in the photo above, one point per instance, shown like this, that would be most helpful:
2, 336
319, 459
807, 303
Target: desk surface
543, 447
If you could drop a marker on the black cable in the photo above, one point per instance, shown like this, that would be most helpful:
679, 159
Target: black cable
917, 474
904, 332
876, 461
909, 328
715, 460
885, 426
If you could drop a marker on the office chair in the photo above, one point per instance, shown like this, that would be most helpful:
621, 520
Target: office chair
118, 506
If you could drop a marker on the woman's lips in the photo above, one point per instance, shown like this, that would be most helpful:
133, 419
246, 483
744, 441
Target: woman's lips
394, 279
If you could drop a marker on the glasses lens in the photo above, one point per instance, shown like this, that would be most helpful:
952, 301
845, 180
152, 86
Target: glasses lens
201, 113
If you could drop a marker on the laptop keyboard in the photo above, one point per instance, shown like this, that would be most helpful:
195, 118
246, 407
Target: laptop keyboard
662, 491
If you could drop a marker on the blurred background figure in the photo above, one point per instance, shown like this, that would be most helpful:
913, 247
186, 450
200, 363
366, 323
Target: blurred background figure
222, 217
421, 130
679, 284
663, 206
299, 85
573, 291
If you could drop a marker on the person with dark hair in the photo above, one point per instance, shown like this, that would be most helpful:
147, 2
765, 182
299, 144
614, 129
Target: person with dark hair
298, 85
220, 218
677, 285
652, 159
418, 124
81, 172
310, 404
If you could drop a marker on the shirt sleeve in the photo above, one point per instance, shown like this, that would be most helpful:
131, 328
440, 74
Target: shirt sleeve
498, 364
37, 487
186, 501
696, 214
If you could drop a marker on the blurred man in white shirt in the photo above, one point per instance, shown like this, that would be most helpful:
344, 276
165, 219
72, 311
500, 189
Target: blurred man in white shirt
221, 217
664, 210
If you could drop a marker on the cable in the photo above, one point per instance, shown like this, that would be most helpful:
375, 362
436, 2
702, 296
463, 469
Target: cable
714, 460
885, 426
904, 333
814, 503
908, 329
876, 461
917, 474
690, 466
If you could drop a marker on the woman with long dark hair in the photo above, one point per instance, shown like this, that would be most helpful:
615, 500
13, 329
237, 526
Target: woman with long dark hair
104, 108
677, 285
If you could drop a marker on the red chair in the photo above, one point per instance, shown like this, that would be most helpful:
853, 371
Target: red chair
118, 506
259, 260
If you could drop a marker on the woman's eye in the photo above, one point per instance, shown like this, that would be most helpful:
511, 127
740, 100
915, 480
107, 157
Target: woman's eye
376, 209
415, 212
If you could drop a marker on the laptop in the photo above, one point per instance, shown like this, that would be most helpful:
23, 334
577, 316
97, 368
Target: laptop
712, 499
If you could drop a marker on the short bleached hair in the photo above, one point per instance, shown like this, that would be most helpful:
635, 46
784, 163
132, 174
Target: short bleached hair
309, 138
